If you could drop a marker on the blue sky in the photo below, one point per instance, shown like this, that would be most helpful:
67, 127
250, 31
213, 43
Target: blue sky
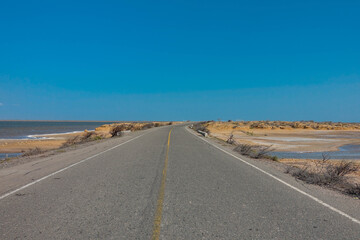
178, 60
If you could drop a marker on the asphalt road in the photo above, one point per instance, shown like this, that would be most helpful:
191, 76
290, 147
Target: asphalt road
169, 186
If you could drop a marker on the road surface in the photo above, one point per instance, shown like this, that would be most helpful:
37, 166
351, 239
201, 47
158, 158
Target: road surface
157, 184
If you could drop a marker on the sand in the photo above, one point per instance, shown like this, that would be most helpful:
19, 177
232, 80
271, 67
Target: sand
288, 139
20, 145
54, 141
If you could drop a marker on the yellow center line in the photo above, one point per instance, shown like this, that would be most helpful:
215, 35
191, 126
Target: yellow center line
160, 200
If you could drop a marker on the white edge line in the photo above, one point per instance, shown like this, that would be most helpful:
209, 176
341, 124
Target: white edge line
283, 182
65, 168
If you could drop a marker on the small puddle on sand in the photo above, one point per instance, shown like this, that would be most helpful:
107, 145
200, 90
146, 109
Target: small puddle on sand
3, 156
345, 152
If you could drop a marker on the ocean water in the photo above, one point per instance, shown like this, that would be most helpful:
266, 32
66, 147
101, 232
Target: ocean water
25, 129
345, 152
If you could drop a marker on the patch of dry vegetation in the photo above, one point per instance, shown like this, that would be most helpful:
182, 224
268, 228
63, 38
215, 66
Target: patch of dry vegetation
32, 151
131, 126
288, 136
117, 131
112, 130
255, 151
274, 125
85, 137
334, 174
200, 126
36, 147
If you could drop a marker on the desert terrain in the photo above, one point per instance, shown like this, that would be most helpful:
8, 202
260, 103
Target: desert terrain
289, 136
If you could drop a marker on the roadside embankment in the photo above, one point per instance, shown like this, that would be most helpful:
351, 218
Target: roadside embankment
259, 143
56, 141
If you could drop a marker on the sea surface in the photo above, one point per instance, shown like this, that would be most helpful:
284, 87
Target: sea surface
26, 129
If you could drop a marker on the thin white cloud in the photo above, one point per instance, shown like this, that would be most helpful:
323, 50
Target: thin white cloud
1, 104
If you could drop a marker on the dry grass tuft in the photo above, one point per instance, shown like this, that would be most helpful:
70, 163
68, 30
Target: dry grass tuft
200, 126
33, 151
117, 130
86, 137
147, 126
328, 174
272, 125
255, 151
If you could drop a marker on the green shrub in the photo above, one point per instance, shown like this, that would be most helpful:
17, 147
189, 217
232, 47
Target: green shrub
97, 138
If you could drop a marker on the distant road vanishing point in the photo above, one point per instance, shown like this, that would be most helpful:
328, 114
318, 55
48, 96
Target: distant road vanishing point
166, 183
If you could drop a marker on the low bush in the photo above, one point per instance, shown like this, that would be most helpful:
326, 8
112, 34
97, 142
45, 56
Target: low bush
32, 151
231, 139
255, 151
98, 138
248, 133
262, 151
353, 189
311, 177
331, 175
342, 169
244, 149
200, 127
117, 130
273, 158
147, 126
86, 137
